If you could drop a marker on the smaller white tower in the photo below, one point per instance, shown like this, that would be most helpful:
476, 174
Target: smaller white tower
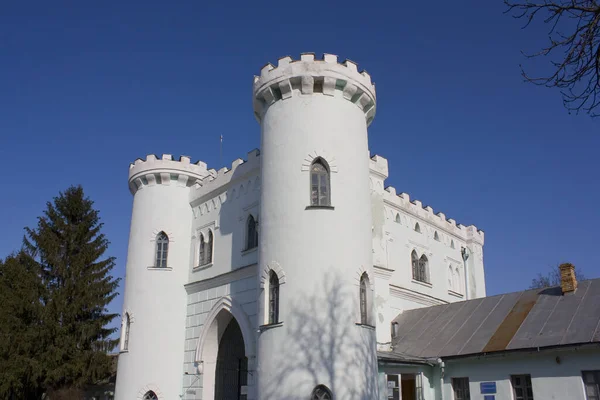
154, 305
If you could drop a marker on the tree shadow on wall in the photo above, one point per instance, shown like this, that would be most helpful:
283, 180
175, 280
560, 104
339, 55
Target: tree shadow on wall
329, 347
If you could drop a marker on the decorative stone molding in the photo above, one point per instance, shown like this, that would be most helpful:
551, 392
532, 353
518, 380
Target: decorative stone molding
308, 76
411, 295
275, 267
359, 273
164, 171
169, 233
228, 304
311, 157
150, 387
131, 316
382, 272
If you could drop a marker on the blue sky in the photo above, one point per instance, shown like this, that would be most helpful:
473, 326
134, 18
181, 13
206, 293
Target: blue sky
88, 87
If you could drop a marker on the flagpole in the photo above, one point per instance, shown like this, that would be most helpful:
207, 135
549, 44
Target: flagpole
221, 152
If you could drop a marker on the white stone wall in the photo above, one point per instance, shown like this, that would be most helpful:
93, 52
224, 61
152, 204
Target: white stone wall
439, 239
205, 299
222, 203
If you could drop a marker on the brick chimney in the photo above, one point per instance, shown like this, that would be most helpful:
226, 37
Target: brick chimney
568, 282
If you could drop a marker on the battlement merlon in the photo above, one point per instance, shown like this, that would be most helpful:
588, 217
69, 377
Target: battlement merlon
214, 180
475, 235
165, 171
307, 74
379, 166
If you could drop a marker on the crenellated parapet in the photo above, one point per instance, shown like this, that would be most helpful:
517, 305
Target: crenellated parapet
379, 166
164, 171
402, 201
308, 76
215, 180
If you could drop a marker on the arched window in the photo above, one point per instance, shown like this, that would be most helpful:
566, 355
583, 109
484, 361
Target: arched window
436, 236
321, 392
251, 233
394, 329
457, 285
162, 249
273, 298
423, 270
417, 228
398, 218
450, 278
126, 326
414, 260
319, 184
150, 395
202, 256
364, 303
209, 248
452, 244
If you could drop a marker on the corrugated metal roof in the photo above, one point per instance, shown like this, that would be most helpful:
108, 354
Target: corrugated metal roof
529, 319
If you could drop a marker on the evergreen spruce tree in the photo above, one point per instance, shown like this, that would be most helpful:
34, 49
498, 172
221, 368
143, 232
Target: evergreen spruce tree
69, 247
21, 291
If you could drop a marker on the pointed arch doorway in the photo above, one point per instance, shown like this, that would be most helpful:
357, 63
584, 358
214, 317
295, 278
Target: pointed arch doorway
231, 372
226, 353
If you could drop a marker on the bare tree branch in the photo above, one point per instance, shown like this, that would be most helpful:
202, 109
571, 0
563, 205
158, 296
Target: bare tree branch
576, 53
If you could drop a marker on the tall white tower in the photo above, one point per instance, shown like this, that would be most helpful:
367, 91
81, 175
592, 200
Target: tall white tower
154, 305
315, 227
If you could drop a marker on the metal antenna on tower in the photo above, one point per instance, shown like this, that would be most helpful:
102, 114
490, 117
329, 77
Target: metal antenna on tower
221, 152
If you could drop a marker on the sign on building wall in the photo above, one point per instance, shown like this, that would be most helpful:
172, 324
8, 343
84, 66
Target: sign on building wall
487, 388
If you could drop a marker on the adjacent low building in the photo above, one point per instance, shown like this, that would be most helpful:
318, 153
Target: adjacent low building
536, 344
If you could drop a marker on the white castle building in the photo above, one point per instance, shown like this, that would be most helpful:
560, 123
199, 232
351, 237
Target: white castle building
280, 277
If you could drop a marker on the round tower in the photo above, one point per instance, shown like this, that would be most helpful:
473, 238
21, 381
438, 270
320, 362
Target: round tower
154, 304
317, 337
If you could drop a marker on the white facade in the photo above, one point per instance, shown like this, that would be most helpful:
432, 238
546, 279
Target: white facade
175, 316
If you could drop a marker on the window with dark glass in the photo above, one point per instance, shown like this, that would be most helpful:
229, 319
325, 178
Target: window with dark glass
420, 267
273, 298
460, 386
126, 327
209, 248
202, 255
364, 309
591, 380
414, 260
162, 249
321, 392
251, 233
522, 387
319, 184
150, 395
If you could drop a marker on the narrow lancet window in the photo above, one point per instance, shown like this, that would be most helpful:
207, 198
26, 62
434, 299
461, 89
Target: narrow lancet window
251, 233
319, 184
162, 249
364, 301
273, 298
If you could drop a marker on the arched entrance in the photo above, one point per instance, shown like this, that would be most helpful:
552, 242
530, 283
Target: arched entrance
231, 375
226, 353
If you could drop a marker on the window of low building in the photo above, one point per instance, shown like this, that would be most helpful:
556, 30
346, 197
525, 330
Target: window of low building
460, 387
522, 389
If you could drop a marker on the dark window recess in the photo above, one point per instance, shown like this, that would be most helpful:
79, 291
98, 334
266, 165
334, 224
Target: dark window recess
273, 298
591, 380
319, 184
460, 386
522, 387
